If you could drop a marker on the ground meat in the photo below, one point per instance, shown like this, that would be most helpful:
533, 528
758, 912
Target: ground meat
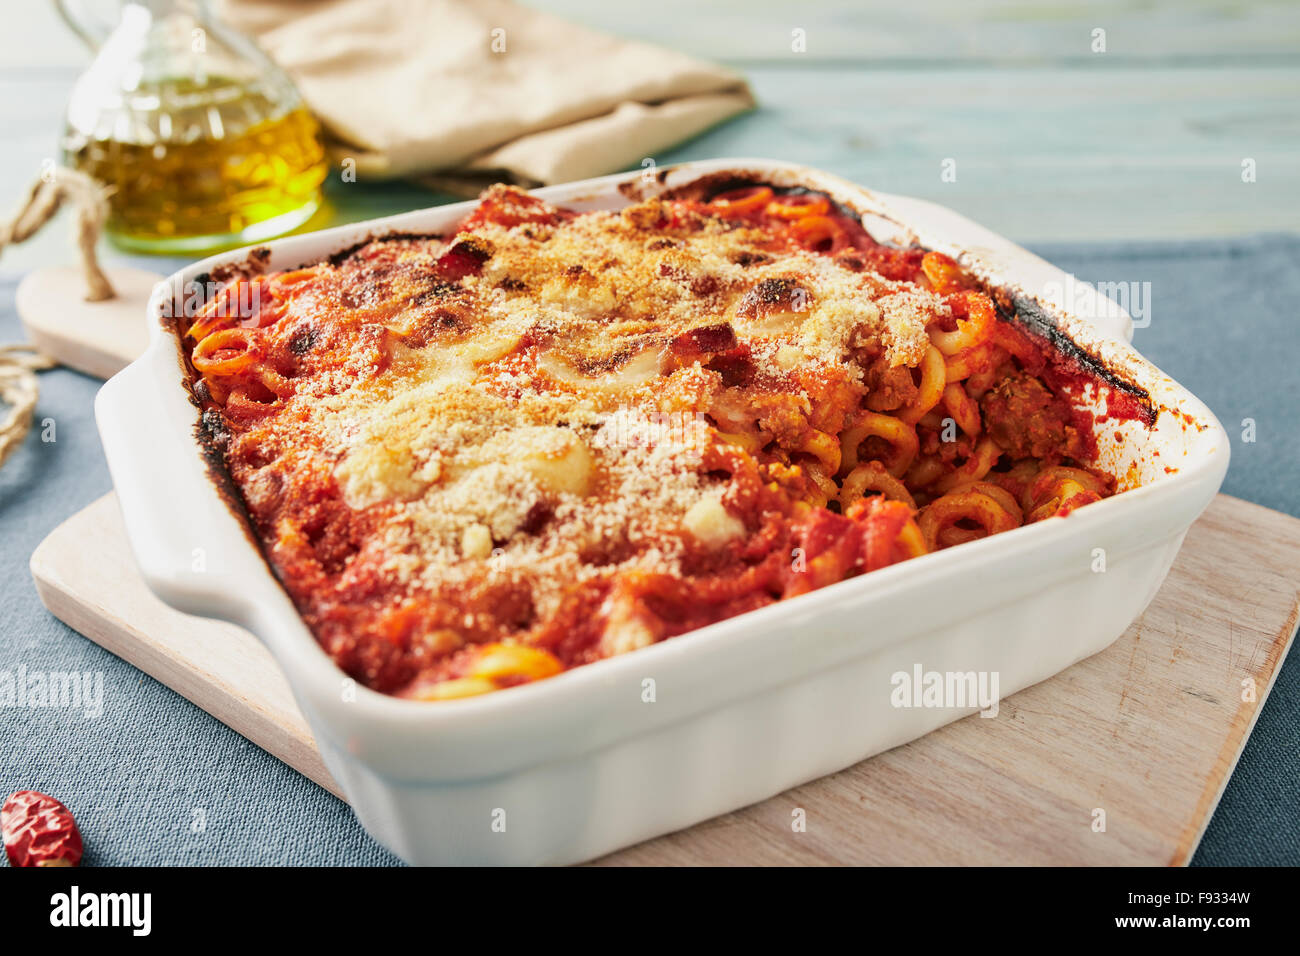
1028, 421
888, 388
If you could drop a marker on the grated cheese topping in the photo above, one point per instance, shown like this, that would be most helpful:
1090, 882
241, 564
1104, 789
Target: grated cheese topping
543, 419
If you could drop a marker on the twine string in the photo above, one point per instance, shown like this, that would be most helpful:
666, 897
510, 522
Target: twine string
19, 390
57, 187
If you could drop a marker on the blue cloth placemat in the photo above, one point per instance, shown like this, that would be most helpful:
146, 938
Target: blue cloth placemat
155, 780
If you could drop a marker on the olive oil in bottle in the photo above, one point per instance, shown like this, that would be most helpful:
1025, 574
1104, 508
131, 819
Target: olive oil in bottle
210, 190
204, 142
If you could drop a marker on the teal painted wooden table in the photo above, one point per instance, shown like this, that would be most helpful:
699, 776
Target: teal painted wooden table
1145, 138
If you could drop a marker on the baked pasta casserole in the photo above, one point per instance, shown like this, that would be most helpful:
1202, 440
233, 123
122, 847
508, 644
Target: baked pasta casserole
479, 459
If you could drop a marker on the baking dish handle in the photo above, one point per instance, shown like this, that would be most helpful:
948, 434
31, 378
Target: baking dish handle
187, 549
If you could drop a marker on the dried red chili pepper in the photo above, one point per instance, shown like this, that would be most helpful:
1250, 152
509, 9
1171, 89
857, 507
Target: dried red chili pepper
39, 831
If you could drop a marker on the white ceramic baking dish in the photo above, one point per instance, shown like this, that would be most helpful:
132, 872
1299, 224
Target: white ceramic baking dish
574, 767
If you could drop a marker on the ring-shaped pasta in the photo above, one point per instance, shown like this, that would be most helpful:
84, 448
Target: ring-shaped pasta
963, 365
930, 391
898, 434
955, 535
822, 487
825, 448
1059, 489
1016, 479
971, 331
731, 460
740, 202
250, 303
911, 540
274, 382
872, 476
925, 472
1008, 337
294, 276
819, 233
226, 352
1000, 494
962, 408
498, 662
980, 383
797, 207
932, 419
218, 312
979, 464
495, 666
975, 504
241, 407
208, 320
944, 274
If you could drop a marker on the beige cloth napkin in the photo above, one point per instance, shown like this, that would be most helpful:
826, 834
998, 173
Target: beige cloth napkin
456, 92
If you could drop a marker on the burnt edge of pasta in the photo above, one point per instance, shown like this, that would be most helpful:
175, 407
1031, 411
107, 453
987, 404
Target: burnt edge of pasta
209, 430
1030, 315
711, 185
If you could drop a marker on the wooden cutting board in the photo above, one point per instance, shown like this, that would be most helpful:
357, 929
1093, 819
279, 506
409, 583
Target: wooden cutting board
1147, 731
